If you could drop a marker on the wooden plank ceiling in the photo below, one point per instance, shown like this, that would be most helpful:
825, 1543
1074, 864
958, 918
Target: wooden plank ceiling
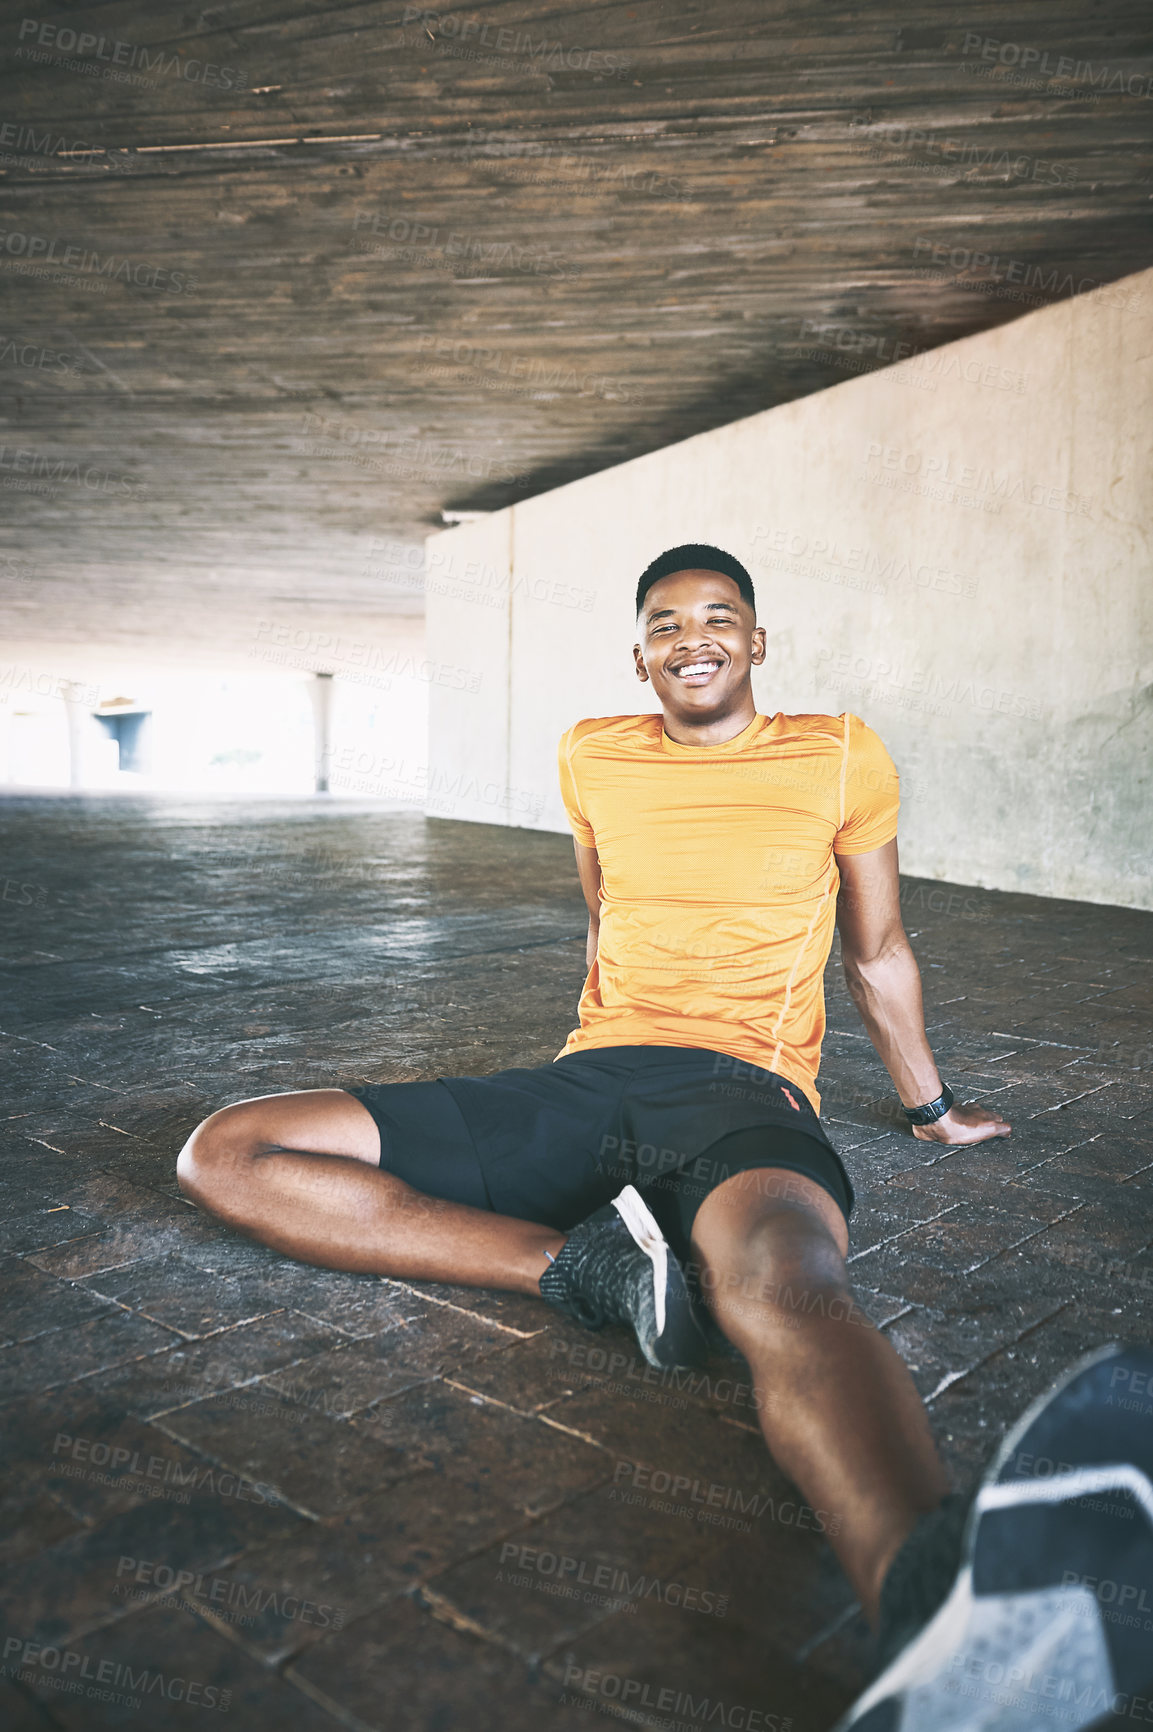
282, 280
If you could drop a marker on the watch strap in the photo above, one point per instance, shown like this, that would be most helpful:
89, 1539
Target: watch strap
932, 1110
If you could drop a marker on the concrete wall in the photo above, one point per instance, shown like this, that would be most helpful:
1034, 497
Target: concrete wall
956, 548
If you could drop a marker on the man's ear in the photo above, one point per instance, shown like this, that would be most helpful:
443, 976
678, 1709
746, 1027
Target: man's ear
759, 645
639, 662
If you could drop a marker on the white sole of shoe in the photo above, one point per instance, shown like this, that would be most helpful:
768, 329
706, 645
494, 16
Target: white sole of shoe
642, 1226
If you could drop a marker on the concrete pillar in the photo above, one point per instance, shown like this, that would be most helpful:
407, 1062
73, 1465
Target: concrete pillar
320, 691
77, 705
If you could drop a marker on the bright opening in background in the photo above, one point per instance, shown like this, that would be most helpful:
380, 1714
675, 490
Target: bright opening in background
224, 734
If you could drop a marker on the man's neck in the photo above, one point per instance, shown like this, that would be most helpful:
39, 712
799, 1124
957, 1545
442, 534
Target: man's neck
713, 731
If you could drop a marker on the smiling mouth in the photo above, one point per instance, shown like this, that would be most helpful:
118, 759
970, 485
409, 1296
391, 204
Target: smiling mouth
698, 673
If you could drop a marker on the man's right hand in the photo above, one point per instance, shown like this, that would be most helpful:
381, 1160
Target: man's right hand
964, 1124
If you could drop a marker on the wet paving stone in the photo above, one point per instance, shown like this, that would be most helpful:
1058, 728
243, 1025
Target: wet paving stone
61, 1354
315, 1463
98, 1575
532, 1375
438, 1676
19, 1712
31, 1518
189, 1300
281, 1597
35, 1302
238, 1356
669, 1667
545, 1585
527, 1462
425, 1342
154, 1227
45, 1228
156, 1669
366, 1451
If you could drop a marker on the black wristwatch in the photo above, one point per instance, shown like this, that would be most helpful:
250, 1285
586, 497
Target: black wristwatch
928, 1115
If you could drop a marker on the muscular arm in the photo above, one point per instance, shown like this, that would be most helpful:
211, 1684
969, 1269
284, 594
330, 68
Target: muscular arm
589, 870
885, 984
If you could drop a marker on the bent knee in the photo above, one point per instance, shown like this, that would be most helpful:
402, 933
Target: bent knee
214, 1168
780, 1280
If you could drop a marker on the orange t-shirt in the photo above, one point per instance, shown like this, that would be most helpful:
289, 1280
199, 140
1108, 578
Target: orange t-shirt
718, 881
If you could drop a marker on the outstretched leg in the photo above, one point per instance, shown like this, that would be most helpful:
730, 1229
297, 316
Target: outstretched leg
839, 1410
300, 1172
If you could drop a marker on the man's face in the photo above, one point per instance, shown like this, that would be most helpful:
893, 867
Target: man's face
698, 643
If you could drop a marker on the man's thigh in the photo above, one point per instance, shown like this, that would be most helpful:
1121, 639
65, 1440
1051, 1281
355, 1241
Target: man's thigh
307, 1121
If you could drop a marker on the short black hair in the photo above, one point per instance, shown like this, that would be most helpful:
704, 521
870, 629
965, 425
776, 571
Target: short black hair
696, 556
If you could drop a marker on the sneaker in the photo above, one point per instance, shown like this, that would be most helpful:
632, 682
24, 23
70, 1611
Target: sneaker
1049, 1621
617, 1267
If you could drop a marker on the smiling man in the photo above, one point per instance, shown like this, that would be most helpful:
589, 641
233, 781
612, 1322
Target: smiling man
669, 1171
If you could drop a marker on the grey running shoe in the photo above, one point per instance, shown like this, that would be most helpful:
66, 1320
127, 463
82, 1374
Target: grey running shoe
616, 1267
1049, 1622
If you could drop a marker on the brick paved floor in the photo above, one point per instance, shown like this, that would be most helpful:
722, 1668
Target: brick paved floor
341, 1499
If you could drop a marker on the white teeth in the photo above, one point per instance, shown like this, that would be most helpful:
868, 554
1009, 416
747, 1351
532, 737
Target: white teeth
697, 668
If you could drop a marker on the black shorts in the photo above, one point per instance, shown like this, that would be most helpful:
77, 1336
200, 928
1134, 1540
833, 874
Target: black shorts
554, 1143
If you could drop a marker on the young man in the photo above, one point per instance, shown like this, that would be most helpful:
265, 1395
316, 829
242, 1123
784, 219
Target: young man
669, 1170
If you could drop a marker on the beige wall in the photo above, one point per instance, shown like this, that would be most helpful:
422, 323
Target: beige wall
957, 548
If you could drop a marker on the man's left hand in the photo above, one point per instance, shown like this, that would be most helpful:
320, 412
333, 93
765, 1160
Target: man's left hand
963, 1124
